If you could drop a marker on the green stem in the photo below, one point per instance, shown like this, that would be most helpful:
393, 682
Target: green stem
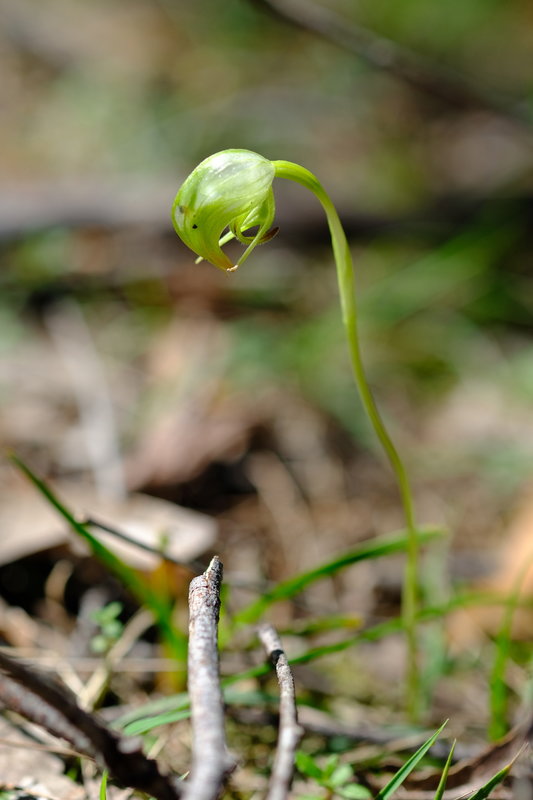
347, 291
499, 693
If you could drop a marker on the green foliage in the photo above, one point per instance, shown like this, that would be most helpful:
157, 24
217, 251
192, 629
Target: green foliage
376, 548
232, 191
158, 604
40, 258
408, 767
103, 786
444, 777
498, 690
173, 709
110, 627
486, 789
442, 301
336, 778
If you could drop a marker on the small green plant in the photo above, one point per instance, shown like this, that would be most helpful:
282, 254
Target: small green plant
226, 197
498, 689
335, 778
338, 779
110, 626
103, 786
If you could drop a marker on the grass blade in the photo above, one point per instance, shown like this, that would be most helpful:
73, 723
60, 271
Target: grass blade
157, 604
145, 725
376, 548
444, 777
177, 703
408, 767
103, 785
487, 788
499, 693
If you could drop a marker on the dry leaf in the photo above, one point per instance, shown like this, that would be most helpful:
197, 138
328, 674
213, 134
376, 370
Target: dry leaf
30, 525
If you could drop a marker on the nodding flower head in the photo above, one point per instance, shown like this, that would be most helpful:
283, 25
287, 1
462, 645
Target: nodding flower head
225, 197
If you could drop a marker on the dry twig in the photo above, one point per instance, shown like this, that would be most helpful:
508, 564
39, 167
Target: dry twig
210, 759
290, 733
384, 54
42, 700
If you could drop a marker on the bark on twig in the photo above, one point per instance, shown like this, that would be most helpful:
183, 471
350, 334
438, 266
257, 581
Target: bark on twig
404, 64
41, 699
210, 759
290, 733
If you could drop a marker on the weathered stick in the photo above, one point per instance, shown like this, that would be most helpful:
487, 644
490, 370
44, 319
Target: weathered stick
41, 699
404, 64
290, 733
211, 762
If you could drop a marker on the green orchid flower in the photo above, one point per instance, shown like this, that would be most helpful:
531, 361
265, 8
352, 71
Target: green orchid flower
229, 190
226, 196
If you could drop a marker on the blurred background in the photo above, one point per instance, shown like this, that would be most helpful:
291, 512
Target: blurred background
125, 366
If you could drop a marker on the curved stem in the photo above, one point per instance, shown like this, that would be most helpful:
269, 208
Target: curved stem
347, 291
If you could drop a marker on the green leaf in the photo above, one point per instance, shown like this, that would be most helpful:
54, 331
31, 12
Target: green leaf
103, 785
157, 604
147, 724
112, 629
310, 797
354, 791
307, 765
487, 788
340, 776
408, 767
444, 777
108, 613
176, 707
499, 692
99, 644
174, 703
376, 548
333, 622
330, 765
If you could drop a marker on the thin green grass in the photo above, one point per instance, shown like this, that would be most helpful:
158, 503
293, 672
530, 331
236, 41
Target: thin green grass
408, 767
155, 602
376, 548
444, 776
498, 690
174, 708
103, 786
486, 789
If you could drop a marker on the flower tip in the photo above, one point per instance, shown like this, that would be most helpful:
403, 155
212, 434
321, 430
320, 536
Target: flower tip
227, 196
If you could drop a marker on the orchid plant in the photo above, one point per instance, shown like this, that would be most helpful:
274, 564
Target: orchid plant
229, 196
